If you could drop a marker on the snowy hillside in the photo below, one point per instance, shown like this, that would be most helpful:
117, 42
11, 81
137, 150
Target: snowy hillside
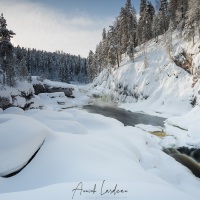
160, 87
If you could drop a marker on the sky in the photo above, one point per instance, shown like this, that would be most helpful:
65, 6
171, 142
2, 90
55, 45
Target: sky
73, 26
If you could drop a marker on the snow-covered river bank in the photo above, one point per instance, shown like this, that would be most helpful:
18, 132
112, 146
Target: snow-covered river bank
86, 147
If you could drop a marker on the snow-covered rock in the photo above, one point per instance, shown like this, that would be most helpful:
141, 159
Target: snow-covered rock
19, 96
47, 86
20, 138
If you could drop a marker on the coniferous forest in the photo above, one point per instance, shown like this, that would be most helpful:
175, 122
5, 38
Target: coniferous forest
18, 63
127, 32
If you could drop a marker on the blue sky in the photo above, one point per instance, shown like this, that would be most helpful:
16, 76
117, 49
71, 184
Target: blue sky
74, 26
92, 7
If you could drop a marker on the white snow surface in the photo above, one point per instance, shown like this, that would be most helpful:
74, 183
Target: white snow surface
20, 138
89, 148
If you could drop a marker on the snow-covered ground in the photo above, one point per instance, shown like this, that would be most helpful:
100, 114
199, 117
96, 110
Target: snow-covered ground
89, 148
80, 150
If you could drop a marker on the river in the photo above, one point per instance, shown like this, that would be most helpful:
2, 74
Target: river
128, 118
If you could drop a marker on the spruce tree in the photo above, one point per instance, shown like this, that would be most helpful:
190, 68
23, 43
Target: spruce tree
127, 28
132, 25
143, 4
147, 32
193, 17
23, 74
142, 22
155, 28
114, 50
163, 16
181, 13
6, 53
131, 49
90, 65
172, 10
124, 37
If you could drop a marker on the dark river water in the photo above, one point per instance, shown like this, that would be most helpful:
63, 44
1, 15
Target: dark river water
126, 117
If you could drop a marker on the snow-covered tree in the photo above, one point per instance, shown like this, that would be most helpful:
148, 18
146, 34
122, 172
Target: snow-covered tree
104, 48
56, 66
143, 4
148, 14
132, 25
155, 28
163, 16
23, 74
141, 24
131, 49
181, 13
104, 34
112, 56
6, 53
172, 10
122, 30
114, 50
193, 17
91, 65
21, 70
127, 28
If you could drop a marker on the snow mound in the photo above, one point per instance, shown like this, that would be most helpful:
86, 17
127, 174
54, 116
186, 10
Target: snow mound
14, 110
66, 126
20, 138
58, 121
44, 115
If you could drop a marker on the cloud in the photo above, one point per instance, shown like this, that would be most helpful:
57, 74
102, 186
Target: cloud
41, 27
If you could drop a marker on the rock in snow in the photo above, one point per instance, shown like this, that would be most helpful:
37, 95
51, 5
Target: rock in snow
20, 138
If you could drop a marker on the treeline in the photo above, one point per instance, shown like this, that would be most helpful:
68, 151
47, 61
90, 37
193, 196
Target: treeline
56, 66
127, 32
18, 63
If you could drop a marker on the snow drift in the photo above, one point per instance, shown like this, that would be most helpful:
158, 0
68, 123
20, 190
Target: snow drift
20, 138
